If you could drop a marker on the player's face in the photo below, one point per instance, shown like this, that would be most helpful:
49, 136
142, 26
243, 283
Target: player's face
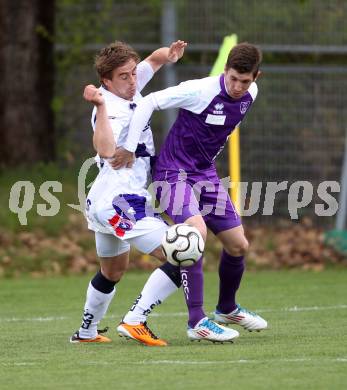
123, 83
237, 83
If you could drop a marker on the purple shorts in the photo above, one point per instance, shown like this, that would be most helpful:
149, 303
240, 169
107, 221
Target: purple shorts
183, 195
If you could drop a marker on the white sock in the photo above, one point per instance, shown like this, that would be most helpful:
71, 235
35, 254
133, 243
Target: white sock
157, 288
95, 308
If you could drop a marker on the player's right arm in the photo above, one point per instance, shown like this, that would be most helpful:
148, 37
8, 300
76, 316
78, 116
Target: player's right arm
103, 140
185, 95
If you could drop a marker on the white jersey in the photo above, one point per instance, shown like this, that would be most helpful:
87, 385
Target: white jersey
126, 184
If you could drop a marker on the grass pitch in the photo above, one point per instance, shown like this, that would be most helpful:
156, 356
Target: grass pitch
304, 348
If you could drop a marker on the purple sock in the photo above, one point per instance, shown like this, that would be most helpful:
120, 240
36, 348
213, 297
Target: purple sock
230, 274
193, 288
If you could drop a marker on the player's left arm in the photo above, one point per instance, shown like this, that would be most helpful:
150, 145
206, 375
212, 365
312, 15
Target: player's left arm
165, 55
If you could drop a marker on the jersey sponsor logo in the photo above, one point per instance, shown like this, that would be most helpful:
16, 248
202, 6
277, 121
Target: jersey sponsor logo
215, 119
218, 109
244, 106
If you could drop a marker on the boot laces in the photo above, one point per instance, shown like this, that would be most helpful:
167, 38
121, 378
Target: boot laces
149, 331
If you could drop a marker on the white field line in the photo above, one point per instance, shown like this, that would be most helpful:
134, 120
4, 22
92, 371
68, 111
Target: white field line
33, 319
181, 314
10, 364
284, 309
241, 361
191, 362
218, 362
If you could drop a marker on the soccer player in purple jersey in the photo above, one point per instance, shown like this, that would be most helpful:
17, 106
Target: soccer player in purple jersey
210, 108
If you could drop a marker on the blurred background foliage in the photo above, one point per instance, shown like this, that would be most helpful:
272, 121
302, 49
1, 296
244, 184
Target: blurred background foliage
295, 130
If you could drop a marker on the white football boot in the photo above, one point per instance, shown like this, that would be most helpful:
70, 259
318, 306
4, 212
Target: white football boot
208, 330
243, 317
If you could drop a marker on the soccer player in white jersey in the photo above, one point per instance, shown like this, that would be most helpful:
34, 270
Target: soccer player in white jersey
210, 109
118, 204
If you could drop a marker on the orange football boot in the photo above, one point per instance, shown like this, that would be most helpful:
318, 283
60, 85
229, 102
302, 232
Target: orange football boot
75, 338
140, 333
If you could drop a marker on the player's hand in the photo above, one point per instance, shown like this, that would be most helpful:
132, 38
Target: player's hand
121, 158
176, 51
93, 95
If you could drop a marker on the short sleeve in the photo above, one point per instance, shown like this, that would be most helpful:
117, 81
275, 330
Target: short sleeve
115, 118
144, 74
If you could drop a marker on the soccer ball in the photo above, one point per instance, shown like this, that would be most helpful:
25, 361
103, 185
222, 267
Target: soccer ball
182, 245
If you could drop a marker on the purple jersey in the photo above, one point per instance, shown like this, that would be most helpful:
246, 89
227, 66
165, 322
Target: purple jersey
206, 118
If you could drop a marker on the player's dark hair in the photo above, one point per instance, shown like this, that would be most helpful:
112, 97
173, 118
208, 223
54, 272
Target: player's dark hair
112, 56
244, 58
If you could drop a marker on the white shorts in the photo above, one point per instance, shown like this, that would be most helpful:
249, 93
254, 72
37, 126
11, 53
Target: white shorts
108, 245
